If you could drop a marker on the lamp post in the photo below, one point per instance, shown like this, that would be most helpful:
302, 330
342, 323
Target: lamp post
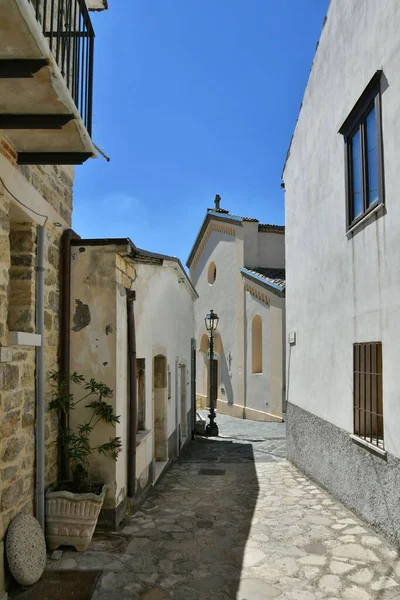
211, 322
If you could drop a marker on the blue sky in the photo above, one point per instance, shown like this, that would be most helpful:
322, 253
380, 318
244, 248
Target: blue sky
192, 98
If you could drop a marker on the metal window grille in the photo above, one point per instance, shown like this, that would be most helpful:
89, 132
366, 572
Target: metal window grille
67, 26
368, 405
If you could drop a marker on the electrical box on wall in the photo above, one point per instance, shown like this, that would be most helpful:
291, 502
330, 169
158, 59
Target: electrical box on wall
292, 337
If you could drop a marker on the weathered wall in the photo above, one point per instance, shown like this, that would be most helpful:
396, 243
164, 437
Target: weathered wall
99, 279
17, 313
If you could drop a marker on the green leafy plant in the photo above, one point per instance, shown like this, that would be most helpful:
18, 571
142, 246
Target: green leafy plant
75, 443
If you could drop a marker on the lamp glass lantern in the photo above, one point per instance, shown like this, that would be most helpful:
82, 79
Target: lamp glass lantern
211, 321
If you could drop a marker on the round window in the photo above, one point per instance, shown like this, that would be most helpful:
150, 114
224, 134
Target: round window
212, 273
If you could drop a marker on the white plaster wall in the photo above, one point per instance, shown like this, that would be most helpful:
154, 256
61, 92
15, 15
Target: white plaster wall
271, 250
164, 316
341, 290
258, 384
226, 298
251, 249
264, 391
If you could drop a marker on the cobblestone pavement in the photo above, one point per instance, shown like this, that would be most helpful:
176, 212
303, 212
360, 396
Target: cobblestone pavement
229, 523
268, 440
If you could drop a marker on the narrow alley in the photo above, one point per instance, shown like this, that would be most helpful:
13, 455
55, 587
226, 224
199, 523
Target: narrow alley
232, 519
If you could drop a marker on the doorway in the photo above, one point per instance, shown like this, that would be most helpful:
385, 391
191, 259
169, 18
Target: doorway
183, 403
141, 392
160, 391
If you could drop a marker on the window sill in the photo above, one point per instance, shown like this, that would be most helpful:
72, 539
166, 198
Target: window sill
374, 449
353, 228
142, 435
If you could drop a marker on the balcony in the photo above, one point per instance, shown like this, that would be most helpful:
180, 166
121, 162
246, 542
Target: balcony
46, 79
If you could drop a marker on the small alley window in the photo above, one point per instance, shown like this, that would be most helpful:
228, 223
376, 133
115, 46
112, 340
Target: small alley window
212, 273
368, 403
362, 133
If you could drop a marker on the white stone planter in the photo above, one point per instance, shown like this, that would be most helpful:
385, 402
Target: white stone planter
71, 518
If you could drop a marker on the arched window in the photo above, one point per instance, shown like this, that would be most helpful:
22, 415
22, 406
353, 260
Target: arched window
256, 344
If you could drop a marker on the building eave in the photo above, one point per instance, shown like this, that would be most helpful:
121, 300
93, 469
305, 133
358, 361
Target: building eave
279, 290
135, 253
226, 218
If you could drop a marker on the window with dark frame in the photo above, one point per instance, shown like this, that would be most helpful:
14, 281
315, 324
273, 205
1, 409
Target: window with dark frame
368, 404
362, 133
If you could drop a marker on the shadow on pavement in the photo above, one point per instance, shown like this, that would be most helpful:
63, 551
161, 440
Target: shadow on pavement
215, 487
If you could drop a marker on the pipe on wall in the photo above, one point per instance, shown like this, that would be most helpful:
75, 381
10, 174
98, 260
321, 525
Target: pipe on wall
40, 378
68, 235
177, 406
133, 416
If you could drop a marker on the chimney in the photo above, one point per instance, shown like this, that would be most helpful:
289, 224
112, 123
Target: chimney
217, 201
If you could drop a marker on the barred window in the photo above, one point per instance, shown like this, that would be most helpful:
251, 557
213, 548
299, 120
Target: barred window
368, 406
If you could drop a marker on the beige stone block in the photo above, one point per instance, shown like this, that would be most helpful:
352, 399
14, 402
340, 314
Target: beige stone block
10, 423
13, 448
4, 249
28, 376
22, 292
12, 494
9, 376
23, 238
12, 400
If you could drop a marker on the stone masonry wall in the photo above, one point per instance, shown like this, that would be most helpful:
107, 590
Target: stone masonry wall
17, 313
53, 182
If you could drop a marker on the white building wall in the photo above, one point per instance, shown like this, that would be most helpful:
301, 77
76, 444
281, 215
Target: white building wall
226, 298
264, 391
258, 384
164, 317
251, 245
271, 250
343, 290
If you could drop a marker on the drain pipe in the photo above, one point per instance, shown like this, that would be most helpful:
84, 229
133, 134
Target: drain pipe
68, 235
40, 378
131, 297
177, 404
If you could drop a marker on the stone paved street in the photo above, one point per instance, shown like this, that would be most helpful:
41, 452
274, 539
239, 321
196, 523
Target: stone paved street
234, 520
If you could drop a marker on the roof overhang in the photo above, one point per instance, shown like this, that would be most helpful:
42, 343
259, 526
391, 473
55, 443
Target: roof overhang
279, 290
127, 248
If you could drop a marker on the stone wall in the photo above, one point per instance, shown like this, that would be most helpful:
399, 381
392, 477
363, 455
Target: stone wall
53, 182
17, 313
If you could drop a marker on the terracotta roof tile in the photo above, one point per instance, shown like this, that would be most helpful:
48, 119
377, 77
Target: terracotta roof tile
274, 276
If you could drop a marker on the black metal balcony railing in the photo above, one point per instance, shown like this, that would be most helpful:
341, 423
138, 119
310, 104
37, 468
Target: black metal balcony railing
67, 26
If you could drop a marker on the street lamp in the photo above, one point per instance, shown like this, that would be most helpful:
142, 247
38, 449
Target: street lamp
211, 322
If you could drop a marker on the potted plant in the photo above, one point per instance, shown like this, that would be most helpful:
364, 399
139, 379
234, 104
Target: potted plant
73, 506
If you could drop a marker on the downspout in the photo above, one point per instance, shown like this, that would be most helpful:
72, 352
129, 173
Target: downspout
40, 378
68, 235
177, 404
132, 429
